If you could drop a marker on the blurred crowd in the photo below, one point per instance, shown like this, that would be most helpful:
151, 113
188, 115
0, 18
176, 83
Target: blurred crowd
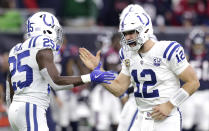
79, 13
91, 105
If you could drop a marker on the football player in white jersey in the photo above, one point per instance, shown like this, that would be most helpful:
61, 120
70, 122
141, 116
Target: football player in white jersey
130, 110
33, 73
155, 69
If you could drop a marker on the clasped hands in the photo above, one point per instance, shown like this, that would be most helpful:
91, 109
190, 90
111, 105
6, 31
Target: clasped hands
99, 76
93, 63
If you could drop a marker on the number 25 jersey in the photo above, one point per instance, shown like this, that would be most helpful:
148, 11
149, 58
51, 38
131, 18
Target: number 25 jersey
27, 82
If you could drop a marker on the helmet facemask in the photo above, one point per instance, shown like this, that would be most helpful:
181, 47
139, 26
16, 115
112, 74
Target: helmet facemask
136, 43
59, 34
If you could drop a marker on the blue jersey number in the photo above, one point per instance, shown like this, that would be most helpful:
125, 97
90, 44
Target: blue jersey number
48, 43
30, 27
180, 56
146, 84
21, 68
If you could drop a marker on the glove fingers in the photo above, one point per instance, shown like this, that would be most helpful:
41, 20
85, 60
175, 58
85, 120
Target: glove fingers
108, 75
107, 72
107, 82
109, 78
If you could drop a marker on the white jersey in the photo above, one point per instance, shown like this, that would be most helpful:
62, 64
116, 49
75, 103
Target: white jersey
154, 73
27, 82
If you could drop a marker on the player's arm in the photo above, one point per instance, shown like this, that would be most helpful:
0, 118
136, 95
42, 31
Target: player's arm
125, 96
117, 86
191, 81
45, 60
10, 87
9, 90
186, 73
49, 71
191, 84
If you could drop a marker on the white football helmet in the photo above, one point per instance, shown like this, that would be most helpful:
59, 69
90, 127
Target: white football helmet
131, 8
135, 18
44, 23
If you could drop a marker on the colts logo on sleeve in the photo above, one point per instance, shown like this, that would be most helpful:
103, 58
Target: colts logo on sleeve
157, 61
127, 62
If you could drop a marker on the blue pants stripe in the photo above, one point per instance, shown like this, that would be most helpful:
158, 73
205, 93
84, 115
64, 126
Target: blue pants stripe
35, 117
180, 119
133, 119
27, 114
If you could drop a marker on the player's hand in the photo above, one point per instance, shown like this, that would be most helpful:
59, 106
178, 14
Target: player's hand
89, 59
99, 76
162, 111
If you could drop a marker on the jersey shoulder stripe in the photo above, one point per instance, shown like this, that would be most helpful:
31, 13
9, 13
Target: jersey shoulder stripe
30, 42
169, 51
172, 51
33, 40
166, 50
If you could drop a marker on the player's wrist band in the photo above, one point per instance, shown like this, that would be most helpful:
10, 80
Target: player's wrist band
179, 97
86, 78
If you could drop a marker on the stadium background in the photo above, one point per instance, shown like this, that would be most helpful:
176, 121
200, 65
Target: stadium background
84, 20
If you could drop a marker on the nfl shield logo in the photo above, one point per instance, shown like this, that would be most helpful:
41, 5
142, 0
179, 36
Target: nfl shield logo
156, 61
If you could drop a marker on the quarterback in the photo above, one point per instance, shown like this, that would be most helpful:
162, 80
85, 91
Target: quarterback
33, 73
155, 69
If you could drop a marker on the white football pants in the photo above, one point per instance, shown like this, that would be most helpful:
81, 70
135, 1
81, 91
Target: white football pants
24, 116
144, 122
128, 115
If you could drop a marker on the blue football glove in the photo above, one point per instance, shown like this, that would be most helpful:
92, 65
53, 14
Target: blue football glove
99, 76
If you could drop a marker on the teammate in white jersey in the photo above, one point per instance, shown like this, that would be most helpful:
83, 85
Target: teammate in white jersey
33, 73
155, 69
130, 110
